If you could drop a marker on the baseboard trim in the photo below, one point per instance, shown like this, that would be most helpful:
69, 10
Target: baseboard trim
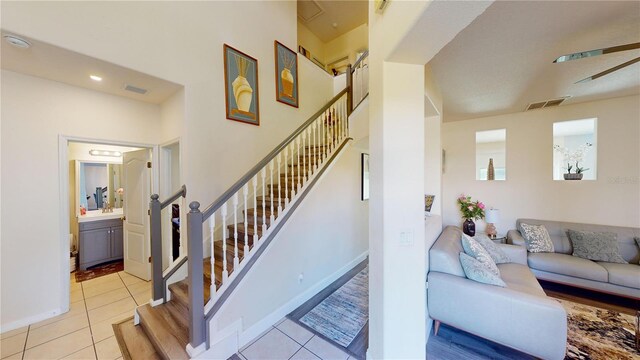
195, 351
251, 333
31, 320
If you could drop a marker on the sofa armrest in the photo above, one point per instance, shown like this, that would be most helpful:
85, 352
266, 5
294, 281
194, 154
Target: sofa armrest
517, 254
504, 315
514, 237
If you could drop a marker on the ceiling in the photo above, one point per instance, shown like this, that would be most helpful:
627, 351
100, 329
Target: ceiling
319, 16
503, 60
57, 64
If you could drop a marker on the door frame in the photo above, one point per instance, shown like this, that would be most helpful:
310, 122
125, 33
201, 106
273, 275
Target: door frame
165, 170
63, 190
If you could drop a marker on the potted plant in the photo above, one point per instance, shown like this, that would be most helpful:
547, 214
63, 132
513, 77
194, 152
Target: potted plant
471, 210
576, 156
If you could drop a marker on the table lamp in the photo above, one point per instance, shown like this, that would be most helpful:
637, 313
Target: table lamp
492, 216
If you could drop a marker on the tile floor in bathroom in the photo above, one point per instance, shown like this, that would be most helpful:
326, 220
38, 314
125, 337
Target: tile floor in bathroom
288, 340
85, 332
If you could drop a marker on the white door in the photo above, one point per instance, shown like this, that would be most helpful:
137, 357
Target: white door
137, 195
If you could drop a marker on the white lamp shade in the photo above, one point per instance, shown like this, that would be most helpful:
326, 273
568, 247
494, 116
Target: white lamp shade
492, 216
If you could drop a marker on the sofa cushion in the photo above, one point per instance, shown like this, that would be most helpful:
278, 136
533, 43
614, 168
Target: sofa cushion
498, 256
478, 271
536, 238
475, 250
596, 246
520, 278
567, 265
623, 274
444, 254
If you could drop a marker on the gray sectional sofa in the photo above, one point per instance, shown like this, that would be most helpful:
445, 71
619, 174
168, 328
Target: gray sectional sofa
512, 316
562, 267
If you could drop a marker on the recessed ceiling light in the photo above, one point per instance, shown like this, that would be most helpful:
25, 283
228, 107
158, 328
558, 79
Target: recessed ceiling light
16, 41
95, 77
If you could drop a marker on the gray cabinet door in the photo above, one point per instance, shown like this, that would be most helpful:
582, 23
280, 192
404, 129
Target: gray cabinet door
117, 249
95, 245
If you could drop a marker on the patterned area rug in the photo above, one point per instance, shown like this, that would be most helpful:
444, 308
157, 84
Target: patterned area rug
341, 316
595, 333
99, 270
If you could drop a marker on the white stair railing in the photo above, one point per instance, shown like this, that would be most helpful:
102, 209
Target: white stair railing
273, 186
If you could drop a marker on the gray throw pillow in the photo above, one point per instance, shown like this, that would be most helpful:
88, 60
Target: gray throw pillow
536, 238
477, 271
637, 239
475, 250
498, 256
596, 246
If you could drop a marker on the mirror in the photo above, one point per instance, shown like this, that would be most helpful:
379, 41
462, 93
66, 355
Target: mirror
491, 154
98, 184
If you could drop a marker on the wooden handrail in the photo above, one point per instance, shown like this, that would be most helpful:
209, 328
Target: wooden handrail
362, 57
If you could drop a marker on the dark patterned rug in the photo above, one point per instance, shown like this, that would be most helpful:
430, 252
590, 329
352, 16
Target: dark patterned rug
99, 270
595, 333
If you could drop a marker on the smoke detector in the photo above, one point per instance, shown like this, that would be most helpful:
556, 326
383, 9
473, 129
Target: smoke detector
17, 41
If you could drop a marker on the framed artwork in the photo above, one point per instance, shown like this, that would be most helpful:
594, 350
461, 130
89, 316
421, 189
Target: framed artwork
241, 86
428, 202
286, 74
365, 177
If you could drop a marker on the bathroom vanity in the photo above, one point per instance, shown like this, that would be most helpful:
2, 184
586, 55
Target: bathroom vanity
100, 238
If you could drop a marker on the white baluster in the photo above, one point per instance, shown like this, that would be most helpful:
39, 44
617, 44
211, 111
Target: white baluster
183, 226
324, 136
236, 260
212, 226
271, 218
279, 183
264, 200
286, 173
298, 164
315, 141
335, 126
225, 272
310, 152
245, 192
255, 210
304, 158
293, 169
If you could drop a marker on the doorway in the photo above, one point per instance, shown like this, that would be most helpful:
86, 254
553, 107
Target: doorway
170, 182
106, 186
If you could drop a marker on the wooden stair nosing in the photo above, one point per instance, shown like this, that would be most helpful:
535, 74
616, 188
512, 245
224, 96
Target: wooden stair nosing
134, 342
164, 332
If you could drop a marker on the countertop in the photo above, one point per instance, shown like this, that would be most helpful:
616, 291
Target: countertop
97, 215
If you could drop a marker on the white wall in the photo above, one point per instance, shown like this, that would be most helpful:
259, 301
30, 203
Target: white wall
310, 42
530, 191
177, 41
347, 44
317, 240
34, 113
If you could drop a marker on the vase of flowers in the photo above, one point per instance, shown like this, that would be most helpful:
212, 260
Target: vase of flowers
471, 210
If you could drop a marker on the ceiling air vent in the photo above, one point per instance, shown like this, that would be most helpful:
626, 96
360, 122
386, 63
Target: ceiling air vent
546, 104
309, 10
135, 89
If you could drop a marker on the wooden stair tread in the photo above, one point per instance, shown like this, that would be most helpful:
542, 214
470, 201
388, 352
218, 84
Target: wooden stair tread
241, 229
165, 328
134, 342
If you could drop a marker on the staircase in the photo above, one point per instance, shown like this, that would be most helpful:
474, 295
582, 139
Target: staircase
242, 222
165, 327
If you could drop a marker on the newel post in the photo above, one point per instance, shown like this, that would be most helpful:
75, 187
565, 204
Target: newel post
350, 90
196, 285
155, 209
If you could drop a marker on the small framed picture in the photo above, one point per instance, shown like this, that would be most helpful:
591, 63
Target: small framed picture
428, 203
241, 86
286, 75
365, 177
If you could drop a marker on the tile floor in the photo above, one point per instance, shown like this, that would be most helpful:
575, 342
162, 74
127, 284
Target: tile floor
288, 340
85, 332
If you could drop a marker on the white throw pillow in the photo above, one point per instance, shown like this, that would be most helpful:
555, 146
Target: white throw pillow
478, 271
475, 250
536, 238
498, 256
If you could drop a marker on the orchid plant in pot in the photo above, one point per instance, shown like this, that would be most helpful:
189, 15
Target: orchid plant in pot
574, 156
471, 210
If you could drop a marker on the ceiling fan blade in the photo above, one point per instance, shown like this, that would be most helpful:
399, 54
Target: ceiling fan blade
609, 71
590, 53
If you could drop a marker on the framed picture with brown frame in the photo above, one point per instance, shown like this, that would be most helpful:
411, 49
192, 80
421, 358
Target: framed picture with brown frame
241, 86
286, 74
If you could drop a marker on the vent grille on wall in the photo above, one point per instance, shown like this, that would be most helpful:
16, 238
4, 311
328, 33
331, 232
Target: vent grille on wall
135, 89
546, 104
